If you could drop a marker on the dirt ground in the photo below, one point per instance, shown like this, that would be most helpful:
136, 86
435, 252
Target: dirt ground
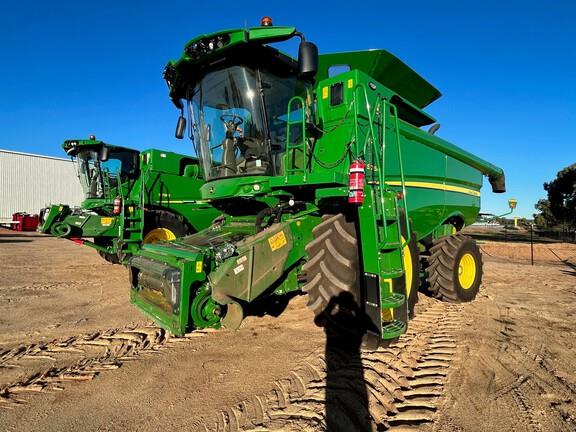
75, 355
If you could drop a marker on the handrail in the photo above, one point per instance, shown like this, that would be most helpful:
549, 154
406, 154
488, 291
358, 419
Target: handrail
370, 123
401, 166
380, 158
302, 145
375, 149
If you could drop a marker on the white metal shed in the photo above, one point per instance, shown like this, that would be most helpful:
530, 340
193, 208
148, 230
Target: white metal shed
29, 182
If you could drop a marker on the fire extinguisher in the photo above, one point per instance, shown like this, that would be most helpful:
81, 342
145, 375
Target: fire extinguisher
356, 182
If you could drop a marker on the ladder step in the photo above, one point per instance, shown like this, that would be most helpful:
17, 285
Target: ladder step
131, 241
132, 229
390, 245
392, 273
393, 301
393, 329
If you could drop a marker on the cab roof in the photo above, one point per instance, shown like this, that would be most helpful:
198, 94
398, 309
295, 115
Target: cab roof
72, 146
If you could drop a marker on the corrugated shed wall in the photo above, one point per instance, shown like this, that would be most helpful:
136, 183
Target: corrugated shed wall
30, 182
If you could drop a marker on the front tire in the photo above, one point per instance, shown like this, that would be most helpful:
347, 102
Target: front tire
107, 243
111, 258
455, 269
333, 276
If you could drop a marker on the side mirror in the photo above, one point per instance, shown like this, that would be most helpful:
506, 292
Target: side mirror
307, 59
104, 153
180, 127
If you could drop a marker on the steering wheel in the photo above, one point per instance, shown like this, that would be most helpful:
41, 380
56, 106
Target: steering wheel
234, 120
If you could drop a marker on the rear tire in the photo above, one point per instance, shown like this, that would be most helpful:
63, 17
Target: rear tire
454, 270
411, 256
161, 225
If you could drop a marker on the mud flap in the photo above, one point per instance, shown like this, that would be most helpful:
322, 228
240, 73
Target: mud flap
371, 296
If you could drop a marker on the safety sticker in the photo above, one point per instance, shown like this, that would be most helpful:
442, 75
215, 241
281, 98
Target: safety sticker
239, 269
106, 221
277, 241
198, 266
241, 259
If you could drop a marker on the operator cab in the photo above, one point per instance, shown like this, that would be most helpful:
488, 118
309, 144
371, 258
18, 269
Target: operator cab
238, 113
101, 168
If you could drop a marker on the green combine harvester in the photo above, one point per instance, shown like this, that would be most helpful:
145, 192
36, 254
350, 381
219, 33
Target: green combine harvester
130, 198
326, 184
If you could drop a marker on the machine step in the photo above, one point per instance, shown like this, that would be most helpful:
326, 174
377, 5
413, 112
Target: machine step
393, 329
393, 301
392, 273
390, 245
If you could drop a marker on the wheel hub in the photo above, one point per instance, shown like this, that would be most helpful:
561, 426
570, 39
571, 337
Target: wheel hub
467, 271
205, 311
159, 234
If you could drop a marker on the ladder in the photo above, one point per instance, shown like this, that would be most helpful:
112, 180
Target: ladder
381, 218
131, 220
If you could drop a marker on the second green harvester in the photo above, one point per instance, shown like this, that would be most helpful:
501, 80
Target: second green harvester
326, 183
130, 198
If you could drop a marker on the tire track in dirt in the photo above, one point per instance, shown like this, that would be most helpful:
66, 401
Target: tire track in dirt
529, 390
538, 384
49, 366
548, 388
403, 383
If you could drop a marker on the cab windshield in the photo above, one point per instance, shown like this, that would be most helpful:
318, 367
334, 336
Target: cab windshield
98, 177
238, 121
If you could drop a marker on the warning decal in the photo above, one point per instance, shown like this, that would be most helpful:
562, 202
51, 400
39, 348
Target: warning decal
277, 241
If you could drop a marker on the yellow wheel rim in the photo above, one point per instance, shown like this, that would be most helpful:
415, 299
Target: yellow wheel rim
159, 234
467, 271
407, 258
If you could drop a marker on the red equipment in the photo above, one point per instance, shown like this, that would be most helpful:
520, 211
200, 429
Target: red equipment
356, 182
24, 222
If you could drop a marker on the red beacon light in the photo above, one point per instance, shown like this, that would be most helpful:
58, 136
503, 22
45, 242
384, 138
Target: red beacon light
266, 22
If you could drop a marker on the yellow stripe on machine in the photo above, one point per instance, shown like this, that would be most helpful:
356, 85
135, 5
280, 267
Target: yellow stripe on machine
437, 186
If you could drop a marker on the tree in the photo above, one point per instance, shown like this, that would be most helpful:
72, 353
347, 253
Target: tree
560, 207
545, 219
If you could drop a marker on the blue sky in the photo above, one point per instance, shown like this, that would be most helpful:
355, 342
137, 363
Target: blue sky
507, 71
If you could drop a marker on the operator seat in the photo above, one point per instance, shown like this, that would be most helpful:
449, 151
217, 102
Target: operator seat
254, 159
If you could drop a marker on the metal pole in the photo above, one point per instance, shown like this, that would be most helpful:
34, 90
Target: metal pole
532, 243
